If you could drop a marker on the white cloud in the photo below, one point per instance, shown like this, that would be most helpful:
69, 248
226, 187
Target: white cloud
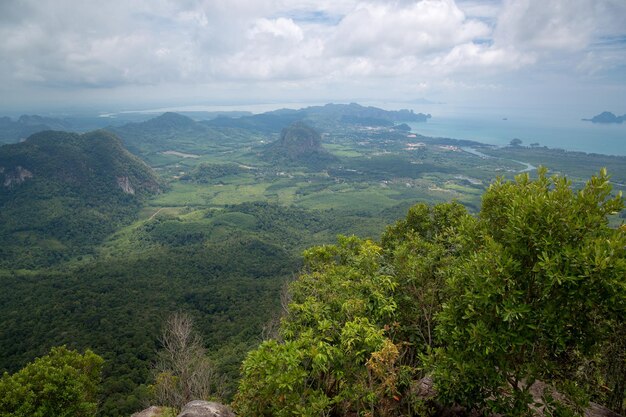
550, 25
480, 9
470, 56
282, 28
198, 41
394, 30
322, 44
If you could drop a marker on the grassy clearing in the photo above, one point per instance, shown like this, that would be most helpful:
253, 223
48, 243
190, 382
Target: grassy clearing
368, 201
343, 151
239, 220
237, 194
184, 194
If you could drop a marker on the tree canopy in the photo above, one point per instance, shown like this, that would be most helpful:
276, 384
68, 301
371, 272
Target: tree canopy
543, 285
528, 294
63, 383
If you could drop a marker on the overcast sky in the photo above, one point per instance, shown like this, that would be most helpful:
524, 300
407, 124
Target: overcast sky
128, 54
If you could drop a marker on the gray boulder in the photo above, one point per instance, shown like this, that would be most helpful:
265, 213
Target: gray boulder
149, 412
205, 409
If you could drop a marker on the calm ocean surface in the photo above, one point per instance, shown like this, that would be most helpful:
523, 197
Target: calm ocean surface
568, 134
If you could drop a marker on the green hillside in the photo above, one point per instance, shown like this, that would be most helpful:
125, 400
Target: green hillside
61, 193
172, 131
224, 267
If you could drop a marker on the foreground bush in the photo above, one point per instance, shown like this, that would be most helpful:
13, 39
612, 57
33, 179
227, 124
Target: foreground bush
61, 384
532, 289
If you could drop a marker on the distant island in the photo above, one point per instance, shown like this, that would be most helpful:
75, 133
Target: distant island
606, 117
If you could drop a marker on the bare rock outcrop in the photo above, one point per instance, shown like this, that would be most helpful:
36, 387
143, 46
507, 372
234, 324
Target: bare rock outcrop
17, 177
596, 410
205, 409
125, 185
150, 412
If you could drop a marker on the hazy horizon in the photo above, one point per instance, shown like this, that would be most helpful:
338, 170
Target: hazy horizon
572, 112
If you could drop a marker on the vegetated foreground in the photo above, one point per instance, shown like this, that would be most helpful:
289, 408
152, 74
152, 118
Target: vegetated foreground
235, 206
516, 311
530, 293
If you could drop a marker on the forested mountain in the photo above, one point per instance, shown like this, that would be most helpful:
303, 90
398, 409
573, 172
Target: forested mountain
173, 132
159, 133
13, 131
299, 144
322, 117
519, 307
16, 130
356, 111
61, 193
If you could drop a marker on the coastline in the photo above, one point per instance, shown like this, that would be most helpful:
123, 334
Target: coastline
569, 136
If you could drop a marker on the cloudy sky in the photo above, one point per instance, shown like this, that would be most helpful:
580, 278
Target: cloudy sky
130, 54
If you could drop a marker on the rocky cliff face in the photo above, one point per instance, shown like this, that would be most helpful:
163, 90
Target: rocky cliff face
15, 176
125, 185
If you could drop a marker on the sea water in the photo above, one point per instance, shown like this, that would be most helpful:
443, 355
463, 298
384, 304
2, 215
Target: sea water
567, 133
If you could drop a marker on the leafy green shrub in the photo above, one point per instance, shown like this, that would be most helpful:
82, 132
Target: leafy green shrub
544, 279
336, 322
61, 384
522, 296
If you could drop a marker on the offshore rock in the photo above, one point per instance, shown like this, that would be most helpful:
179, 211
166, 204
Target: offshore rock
205, 409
